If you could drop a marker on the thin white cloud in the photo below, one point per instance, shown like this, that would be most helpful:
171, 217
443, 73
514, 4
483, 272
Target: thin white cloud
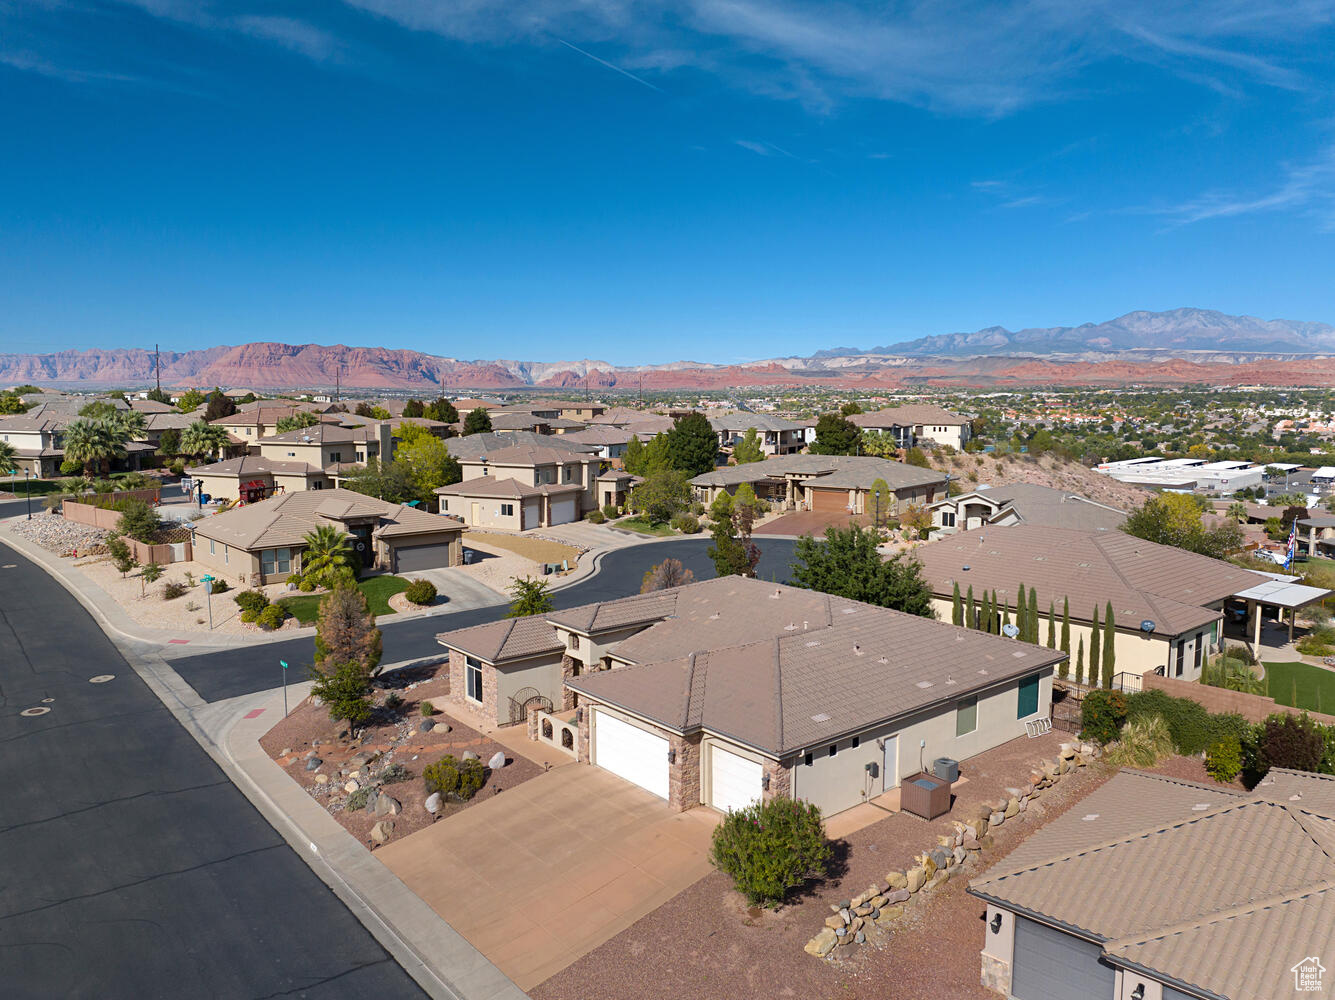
298, 36
759, 148
1308, 187
612, 66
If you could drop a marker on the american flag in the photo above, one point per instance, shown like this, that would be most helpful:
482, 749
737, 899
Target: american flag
1291, 550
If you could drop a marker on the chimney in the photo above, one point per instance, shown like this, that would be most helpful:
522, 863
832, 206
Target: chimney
385, 435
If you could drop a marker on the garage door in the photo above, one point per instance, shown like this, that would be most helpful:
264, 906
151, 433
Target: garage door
409, 558
563, 511
631, 753
1051, 965
829, 501
734, 781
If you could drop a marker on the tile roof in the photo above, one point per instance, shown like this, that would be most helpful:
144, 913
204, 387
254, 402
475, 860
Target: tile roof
832, 471
254, 465
599, 435
510, 489
530, 454
507, 639
1144, 581
323, 433
1047, 507
475, 445
740, 422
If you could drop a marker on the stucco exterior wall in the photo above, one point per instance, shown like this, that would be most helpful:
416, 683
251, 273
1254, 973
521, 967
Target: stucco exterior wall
543, 675
483, 512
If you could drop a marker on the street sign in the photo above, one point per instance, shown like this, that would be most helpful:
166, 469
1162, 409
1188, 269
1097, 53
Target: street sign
284, 663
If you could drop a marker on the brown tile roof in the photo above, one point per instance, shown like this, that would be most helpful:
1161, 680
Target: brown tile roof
508, 489
833, 471
325, 433
528, 454
908, 416
1050, 508
254, 465
507, 639
1144, 581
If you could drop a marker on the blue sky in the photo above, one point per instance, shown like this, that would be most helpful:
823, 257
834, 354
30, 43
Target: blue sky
643, 182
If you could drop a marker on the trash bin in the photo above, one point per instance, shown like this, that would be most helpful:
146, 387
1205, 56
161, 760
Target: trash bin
946, 769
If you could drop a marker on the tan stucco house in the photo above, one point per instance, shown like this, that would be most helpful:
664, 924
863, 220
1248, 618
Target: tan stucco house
521, 487
916, 424
830, 483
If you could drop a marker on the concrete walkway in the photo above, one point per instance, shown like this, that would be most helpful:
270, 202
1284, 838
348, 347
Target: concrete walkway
544, 874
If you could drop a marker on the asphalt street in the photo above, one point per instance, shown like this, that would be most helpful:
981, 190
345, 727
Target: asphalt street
129, 865
232, 672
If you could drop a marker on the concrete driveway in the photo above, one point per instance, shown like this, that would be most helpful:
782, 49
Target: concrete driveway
542, 875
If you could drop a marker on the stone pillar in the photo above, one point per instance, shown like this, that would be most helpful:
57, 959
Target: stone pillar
684, 772
570, 667
533, 711
1256, 633
780, 780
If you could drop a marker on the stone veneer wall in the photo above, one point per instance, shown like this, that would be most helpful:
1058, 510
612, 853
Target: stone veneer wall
458, 695
996, 975
780, 779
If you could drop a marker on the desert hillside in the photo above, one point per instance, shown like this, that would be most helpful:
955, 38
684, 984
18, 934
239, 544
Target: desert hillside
972, 471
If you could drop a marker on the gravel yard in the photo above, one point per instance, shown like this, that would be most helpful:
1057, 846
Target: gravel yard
707, 934
55, 534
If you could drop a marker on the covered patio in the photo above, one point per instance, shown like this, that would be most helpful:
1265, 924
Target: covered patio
1283, 593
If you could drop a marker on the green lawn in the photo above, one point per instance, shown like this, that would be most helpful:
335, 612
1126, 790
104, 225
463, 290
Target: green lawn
39, 487
1314, 686
378, 590
645, 528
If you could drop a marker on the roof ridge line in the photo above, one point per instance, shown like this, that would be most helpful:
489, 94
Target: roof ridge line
778, 692
1294, 810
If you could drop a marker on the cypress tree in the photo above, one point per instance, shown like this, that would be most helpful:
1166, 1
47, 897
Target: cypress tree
1094, 637
972, 615
1033, 616
996, 612
1066, 625
1052, 625
1006, 617
956, 608
1109, 646
1021, 616
1080, 662
985, 615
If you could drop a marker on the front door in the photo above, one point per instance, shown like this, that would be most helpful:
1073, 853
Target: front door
361, 545
890, 765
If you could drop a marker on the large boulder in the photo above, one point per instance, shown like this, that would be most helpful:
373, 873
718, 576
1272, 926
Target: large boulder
387, 805
314, 763
916, 877
470, 755
380, 833
497, 760
821, 944
432, 803
426, 725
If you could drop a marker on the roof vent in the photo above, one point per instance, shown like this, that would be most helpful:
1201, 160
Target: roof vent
983, 671
823, 717
777, 594
714, 616
805, 626
924, 684
1019, 654
950, 680
790, 627
1200, 807
849, 611
813, 642
1090, 817
857, 650
965, 567
882, 659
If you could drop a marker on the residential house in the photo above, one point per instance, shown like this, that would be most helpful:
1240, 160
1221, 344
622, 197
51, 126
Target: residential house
829, 483
310, 458
614, 487
37, 439
731, 690
776, 435
252, 477
607, 440
1168, 604
522, 487
917, 424
1156, 888
641, 423
262, 542
250, 423
1024, 503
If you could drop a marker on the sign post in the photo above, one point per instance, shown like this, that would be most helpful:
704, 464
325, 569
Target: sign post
207, 580
284, 664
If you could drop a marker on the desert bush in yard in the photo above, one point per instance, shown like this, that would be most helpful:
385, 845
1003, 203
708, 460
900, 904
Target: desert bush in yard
420, 592
1238, 652
251, 600
271, 617
771, 848
427, 709
1292, 741
1223, 761
595, 517
151, 573
1310, 645
178, 468
395, 773
1192, 727
138, 520
393, 701
458, 779
1102, 714
357, 800
610, 511
56, 501
1142, 743
343, 687
306, 586
686, 523
173, 589
249, 615
221, 586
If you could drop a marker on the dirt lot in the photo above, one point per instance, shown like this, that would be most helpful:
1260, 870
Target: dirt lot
537, 549
972, 471
707, 934
392, 738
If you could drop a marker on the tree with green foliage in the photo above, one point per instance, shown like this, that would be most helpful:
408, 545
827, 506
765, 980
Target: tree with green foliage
985, 616
748, 449
159, 396
93, 443
1066, 626
880, 499
835, 435
149, 574
1052, 625
98, 409
390, 481
343, 688
138, 520
662, 495
203, 438
721, 508
1175, 519
219, 405
970, 612
916, 456
956, 606
327, 556
296, 421
745, 499
1021, 614
692, 444
131, 425
632, 459
190, 400
345, 631
478, 421
441, 409
769, 849
121, 557
1109, 646
644, 459
414, 409
362, 409
11, 404
430, 465
1032, 605
8, 454
1080, 661
850, 409
847, 563
879, 444
1095, 658
530, 598
169, 442
733, 553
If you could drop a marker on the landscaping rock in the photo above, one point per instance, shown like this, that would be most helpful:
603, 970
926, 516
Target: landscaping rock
938, 878
834, 922
896, 897
387, 805
896, 880
470, 755
497, 760
860, 938
972, 845
889, 916
939, 857
432, 803
351, 786
841, 931
863, 910
821, 944
380, 833
960, 855
996, 819
322, 779
426, 725
856, 924
1012, 807
916, 877
372, 796
314, 763
845, 914
877, 901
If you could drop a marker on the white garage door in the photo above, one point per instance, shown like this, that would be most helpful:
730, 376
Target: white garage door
631, 753
734, 781
563, 511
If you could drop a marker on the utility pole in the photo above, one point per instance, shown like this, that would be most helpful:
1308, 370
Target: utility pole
337, 371
157, 367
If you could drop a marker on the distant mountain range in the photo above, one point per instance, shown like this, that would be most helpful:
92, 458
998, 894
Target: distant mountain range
1182, 345
1173, 331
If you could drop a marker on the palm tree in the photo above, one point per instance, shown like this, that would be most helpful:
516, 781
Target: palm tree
328, 553
93, 443
131, 423
1245, 679
7, 456
203, 438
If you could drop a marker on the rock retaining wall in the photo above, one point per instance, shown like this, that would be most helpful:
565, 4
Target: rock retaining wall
871, 913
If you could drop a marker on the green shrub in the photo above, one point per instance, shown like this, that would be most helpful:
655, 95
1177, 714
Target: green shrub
251, 600
1238, 652
420, 592
1292, 741
771, 848
173, 589
595, 517
1142, 742
1223, 760
395, 773
458, 779
357, 800
393, 701
138, 520
427, 709
250, 614
178, 468
610, 511
271, 617
306, 586
698, 509
1192, 727
343, 689
221, 586
1310, 645
1102, 714
686, 523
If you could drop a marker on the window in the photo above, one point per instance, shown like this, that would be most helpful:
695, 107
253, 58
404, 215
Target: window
291, 454
473, 679
227, 553
572, 642
1181, 655
1200, 650
1027, 703
834, 748
947, 519
507, 510
336, 456
317, 485
856, 741
966, 714
807, 759
275, 561
444, 504
211, 547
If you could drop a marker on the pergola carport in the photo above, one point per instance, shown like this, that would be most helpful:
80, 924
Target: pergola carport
1320, 530
1279, 591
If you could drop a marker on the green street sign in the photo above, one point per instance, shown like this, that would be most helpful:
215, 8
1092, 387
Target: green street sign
284, 663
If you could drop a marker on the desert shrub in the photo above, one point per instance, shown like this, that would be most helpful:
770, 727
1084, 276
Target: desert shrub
459, 779
427, 709
138, 520
610, 511
395, 773
178, 468
1102, 714
595, 517
698, 509
420, 591
357, 800
771, 848
686, 523
1310, 645
55, 501
271, 617
1192, 727
1292, 741
251, 600
393, 701
250, 614
305, 586
1238, 652
1142, 742
1223, 760
173, 589
221, 586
